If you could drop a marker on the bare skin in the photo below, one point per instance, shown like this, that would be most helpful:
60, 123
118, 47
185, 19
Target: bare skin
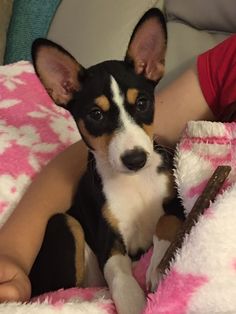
177, 104
53, 189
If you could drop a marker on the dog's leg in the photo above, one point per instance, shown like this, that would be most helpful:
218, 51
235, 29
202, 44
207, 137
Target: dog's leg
93, 274
60, 262
129, 298
167, 228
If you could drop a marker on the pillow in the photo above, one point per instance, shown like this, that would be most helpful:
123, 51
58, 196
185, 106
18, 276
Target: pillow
211, 15
30, 20
32, 131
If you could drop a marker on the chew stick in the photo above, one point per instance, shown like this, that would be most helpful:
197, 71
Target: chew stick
209, 193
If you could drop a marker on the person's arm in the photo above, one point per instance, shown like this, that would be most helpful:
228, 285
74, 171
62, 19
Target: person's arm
177, 104
21, 237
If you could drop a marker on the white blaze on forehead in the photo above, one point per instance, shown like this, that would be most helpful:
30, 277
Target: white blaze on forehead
130, 135
118, 98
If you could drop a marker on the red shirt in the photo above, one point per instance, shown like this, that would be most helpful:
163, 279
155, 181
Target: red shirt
217, 75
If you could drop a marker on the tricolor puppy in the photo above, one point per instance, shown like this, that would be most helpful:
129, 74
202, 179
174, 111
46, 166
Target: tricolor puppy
121, 195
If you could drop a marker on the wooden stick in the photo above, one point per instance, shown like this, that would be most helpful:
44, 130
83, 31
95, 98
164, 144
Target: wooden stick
209, 193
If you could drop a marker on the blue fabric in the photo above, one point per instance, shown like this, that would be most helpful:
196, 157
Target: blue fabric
30, 19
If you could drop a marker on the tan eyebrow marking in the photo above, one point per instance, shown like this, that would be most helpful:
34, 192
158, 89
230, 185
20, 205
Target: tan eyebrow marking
99, 143
132, 94
103, 102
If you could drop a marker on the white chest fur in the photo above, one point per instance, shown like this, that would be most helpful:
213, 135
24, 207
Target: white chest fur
135, 200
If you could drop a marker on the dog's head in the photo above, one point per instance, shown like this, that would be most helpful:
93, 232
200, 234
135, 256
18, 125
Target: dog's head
111, 102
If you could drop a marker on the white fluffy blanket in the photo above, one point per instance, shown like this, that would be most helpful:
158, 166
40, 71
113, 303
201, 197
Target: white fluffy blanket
202, 278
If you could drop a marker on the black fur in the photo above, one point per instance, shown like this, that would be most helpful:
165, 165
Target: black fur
54, 267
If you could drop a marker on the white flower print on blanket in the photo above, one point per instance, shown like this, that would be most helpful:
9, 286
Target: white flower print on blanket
11, 76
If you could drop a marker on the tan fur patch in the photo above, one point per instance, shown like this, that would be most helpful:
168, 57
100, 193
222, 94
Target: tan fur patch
132, 94
149, 130
103, 102
118, 246
168, 227
110, 218
98, 143
78, 234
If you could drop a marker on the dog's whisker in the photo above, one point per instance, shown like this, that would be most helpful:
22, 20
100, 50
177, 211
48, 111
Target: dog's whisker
164, 150
169, 148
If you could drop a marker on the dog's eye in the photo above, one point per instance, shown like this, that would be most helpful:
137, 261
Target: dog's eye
142, 104
95, 114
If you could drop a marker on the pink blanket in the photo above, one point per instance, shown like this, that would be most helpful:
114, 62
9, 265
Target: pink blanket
202, 276
32, 130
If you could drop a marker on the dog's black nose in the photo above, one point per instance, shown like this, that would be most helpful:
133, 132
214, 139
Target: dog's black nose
134, 159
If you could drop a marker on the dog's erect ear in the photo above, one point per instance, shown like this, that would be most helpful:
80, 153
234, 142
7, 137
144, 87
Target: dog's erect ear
147, 46
57, 69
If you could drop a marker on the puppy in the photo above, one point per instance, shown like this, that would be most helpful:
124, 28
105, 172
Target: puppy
121, 196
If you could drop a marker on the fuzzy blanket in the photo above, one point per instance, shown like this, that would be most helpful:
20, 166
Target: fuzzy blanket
202, 276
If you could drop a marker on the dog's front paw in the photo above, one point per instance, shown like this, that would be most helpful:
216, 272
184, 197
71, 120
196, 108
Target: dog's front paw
126, 293
153, 275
